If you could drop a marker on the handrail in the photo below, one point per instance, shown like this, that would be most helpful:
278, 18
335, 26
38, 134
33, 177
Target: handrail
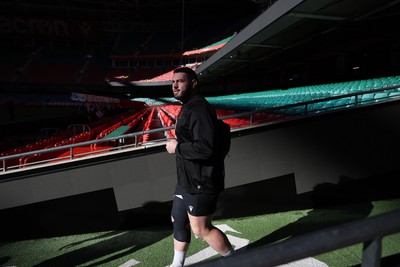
249, 114
86, 143
369, 231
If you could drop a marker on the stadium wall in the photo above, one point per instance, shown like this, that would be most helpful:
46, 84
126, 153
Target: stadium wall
331, 148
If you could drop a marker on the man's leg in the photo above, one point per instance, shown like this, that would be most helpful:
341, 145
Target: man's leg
180, 249
182, 235
202, 227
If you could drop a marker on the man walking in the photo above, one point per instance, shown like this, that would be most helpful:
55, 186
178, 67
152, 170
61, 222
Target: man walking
200, 171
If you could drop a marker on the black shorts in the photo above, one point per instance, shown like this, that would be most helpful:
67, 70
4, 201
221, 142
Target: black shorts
195, 204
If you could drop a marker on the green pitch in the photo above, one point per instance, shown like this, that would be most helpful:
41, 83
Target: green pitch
153, 246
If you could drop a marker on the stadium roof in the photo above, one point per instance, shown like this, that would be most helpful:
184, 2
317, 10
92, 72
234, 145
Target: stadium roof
281, 33
293, 31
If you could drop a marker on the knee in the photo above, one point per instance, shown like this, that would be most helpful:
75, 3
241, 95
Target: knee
181, 230
200, 232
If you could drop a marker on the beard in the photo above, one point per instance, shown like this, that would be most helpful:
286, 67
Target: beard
182, 95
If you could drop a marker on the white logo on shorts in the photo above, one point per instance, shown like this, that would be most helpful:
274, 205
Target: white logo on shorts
190, 208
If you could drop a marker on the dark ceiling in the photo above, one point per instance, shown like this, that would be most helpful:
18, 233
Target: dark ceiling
134, 12
296, 33
282, 36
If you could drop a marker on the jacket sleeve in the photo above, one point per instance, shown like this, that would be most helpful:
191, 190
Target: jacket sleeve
201, 146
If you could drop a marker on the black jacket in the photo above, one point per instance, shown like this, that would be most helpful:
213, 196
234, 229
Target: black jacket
197, 169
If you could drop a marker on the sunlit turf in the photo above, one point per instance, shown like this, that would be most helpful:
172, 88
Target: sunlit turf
153, 246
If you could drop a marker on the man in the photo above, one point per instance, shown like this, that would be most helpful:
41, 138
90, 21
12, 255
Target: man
200, 172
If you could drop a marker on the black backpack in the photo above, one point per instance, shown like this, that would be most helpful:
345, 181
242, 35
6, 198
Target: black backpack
223, 139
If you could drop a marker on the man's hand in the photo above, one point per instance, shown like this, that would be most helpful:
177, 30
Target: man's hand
171, 146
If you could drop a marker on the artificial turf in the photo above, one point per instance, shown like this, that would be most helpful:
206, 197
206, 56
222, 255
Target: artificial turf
152, 246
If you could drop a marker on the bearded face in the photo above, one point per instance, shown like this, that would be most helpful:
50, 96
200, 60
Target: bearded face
182, 86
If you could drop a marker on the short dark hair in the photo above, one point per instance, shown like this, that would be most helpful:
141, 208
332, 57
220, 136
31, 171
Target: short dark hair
192, 74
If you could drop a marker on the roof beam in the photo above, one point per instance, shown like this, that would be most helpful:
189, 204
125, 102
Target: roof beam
315, 16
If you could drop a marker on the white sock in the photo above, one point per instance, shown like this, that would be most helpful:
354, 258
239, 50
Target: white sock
179, 258
230, 252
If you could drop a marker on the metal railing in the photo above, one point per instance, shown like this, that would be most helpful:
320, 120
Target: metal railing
88, 144
303, 110
369, 232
